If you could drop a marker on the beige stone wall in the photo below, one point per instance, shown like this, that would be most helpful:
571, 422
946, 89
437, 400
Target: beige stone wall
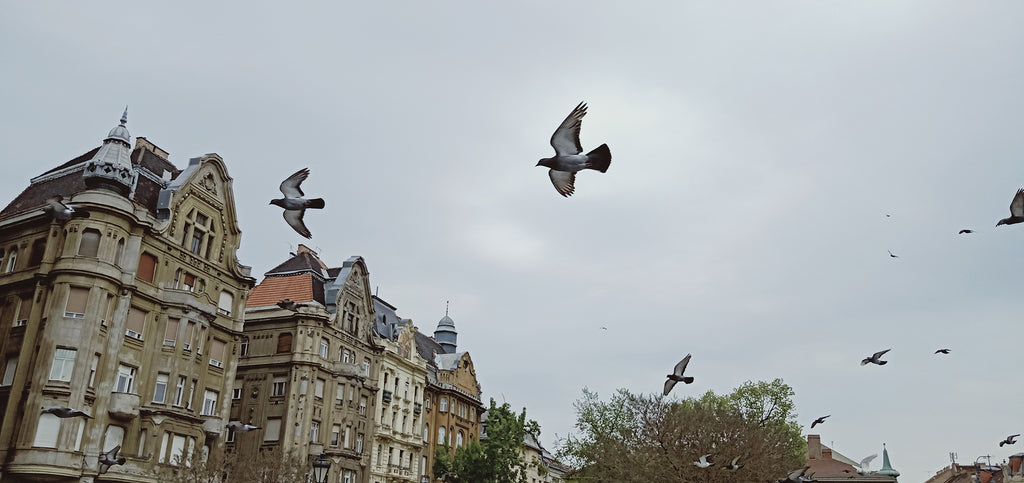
398, 442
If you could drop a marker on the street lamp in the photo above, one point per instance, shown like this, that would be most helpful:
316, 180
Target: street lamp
321, 469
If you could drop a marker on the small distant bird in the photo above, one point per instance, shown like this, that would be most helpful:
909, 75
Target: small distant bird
604, 328
568, 158
875, 359
891, 254
1016, 210
288, 304
294, 204
60, 211
864, 464
734, 465
240, 427
703, 462
943, 351
1009, 440
110, 458
819, 421
677, 375
965, 231
63, 412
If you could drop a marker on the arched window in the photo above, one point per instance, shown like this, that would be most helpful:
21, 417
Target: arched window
458, 439
284, 342
444, 405
440, 435
147, 267
35, 258
426, 432
90, 244
12, 260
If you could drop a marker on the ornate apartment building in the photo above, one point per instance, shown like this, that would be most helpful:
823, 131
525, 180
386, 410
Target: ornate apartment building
398, 442
308, 375
131, 314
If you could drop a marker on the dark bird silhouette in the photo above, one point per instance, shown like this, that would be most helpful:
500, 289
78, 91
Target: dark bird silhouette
63, 412
240, 427
819, 421
110, 458
875, 359
1009, 440
891, 255
965, 231
1016, 210
568, 158
677, 375
60, 211
604, 328
734, 465
294, 204
943, 351
703, 462
288, 304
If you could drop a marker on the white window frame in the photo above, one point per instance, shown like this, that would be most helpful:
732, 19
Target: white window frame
314, 431
209, 403
63, 364
127, 374
160, 387
179, 390
325, 346
279, 386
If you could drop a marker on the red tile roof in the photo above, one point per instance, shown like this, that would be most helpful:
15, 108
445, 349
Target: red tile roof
272, 290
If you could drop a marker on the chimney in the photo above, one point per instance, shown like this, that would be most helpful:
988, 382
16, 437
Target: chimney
813, 446
304, 249
1015, 463
826, 453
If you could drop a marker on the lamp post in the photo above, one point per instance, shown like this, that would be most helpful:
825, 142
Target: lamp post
321, 469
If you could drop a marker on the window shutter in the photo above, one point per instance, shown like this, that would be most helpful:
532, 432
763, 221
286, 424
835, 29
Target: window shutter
147, 267
136, 320
78, 298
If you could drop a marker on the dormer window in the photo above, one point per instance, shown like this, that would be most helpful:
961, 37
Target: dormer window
197, 234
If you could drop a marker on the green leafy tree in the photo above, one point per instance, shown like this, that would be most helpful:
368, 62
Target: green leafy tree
495, 459
268, 467
638, 438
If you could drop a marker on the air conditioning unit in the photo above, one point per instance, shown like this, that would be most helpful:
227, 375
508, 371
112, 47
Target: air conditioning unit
133, 334
216, 363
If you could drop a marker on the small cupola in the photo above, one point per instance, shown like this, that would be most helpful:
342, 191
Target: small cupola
111, 167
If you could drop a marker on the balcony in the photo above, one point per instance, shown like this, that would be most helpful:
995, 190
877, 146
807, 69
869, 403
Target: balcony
124, 406
386, 397
213, 426
417, 408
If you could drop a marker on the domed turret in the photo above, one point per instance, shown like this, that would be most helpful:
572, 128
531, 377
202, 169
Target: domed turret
111, 167
446, 335
887, 468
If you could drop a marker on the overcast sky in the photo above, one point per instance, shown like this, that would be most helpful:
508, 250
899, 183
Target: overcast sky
757, 151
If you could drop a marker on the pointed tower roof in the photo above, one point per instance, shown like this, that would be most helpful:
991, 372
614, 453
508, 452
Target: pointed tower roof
111, 166
887, 468
445, 333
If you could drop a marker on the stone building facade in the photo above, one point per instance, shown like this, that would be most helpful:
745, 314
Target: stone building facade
308, 376
132, 314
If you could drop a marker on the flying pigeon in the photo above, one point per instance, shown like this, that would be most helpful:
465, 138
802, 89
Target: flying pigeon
703, 462
677, 375
794, 477
567, 159
109, 459
1016, 210
288, 304
1009, 440
240, 427
63, 412
875, 359
733, 465
966, 231
944, 351
893, 256
294, 204
604, 328
60, 211
819, 420
864, 464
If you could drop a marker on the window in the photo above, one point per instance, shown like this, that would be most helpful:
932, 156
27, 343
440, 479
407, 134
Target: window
426, 401
359, 443
339, 394
217, 353
125, 378
284, 343
179, 391
35, 257
440, 435
443, 407
63, 365
347, 478
366, 367
78, 299
348, 437
90, 245
335, 434
142, 443
243, 348
278, 388
324, 346
231, 436
119, 253
46, 431
92, 369
160, 390
458, 439
209, 403
190, 329
24, 310
147, 267
78, 436
191, 392
197, 234
346, 356
136, 323
171, 333
177, 451
314, 432
225, 303
113, 436
236, 390
318, 389
189, 282
426, 432
9, 370
362, 406
273, 432
12, 260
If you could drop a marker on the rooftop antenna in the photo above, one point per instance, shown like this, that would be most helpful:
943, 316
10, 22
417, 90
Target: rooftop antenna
445, 308
376, 290
952, 457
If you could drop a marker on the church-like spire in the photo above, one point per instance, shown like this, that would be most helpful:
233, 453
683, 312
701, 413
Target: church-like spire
111, 167
887, 468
